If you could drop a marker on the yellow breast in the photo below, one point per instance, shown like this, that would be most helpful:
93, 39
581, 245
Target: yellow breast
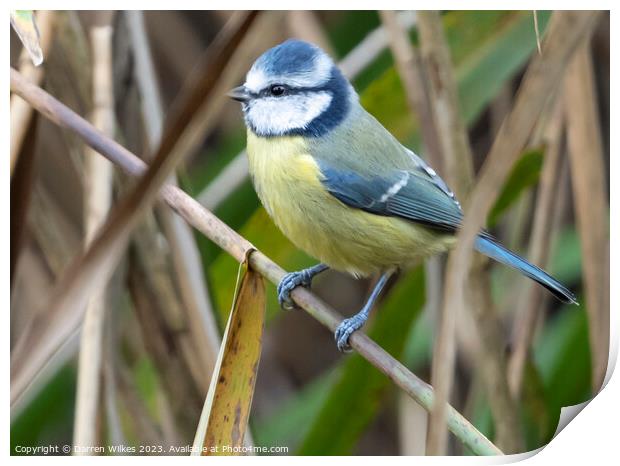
287, 180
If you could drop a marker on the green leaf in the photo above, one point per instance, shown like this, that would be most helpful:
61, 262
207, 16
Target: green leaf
419, 347
562, 352
48, 418
536, 414
356, 397
349, 28
488, 49
566, 256
290, 422
495, 61
524, 174
148, 384
263, 234
562, 356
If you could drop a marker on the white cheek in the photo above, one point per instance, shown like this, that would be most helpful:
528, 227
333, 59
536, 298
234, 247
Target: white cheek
275, 116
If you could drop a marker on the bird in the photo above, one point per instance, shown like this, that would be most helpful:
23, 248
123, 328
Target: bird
340, 186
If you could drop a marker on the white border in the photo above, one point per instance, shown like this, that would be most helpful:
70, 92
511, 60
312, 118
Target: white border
591, 436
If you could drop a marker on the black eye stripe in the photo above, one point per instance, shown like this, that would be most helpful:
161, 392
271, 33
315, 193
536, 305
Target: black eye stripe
266, 92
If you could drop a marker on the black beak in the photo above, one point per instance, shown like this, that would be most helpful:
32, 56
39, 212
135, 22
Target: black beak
240, 94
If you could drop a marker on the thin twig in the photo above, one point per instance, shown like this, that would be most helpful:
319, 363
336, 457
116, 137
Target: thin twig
537, 31
452, 132
228, 181
591, 203
235, 245
98, 202
528, 308
146, 77
371, 47
489, 346
455, 151
412, 75
198, 104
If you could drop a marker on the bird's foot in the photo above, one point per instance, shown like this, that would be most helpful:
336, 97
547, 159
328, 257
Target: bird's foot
289, 282
292, 280
350, 325
346, 328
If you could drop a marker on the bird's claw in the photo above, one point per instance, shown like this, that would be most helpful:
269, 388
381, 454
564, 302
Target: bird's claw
289, 282
344, 331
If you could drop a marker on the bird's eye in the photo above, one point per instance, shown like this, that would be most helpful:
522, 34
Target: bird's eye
277, 90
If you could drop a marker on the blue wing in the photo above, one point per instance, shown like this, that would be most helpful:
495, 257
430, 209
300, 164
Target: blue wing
428, 172
400, 193
420, 199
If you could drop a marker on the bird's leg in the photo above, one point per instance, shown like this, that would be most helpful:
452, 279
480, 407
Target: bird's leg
293, 279
350, 325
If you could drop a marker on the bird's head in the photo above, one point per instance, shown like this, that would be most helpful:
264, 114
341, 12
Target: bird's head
294, 89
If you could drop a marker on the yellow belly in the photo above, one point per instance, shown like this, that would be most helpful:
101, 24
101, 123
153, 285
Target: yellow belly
287, 181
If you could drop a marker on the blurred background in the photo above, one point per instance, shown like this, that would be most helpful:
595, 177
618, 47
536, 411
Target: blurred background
168, 300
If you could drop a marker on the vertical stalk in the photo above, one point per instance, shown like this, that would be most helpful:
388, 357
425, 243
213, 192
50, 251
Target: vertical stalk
98, 202
591, 203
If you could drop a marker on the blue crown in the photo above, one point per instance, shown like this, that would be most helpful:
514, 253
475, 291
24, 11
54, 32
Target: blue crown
291, 56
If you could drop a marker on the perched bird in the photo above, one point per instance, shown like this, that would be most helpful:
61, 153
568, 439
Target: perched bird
340, 186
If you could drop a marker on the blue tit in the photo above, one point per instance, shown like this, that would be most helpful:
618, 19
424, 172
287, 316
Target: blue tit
340, 186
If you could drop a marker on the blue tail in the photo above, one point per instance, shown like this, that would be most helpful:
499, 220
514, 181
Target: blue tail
489, 247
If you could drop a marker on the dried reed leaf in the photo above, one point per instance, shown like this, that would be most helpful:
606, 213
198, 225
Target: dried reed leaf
225, 415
